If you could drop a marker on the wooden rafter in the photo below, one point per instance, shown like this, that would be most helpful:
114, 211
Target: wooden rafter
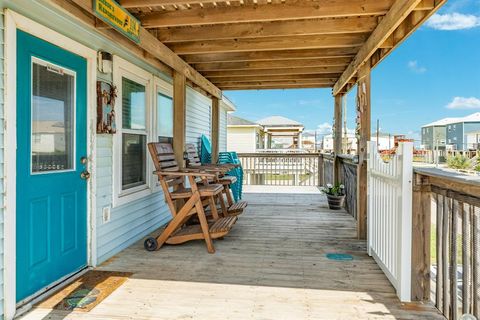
272, 55
159, 3
316, 70
300, 9
294, 86
269, 29
316, 77
271, 43
270, 83
398, 13
280, 64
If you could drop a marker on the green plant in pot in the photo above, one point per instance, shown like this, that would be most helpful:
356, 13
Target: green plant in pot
335, 195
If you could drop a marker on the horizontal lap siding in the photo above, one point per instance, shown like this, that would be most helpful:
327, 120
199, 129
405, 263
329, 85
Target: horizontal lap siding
198, 116
222, 139
2, 186
130, 222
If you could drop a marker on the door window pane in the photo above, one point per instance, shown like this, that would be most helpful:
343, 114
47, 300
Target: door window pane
164, 116
53, 118
133, 160
133, 105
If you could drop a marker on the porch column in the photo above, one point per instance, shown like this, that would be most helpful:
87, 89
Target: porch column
300, 143
215, 129
179, 115
337, 139
265, 140
364, 120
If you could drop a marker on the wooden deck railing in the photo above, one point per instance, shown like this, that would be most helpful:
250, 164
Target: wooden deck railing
446, 242
280, 169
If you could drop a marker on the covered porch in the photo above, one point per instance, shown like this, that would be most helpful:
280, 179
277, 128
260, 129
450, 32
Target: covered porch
273, 265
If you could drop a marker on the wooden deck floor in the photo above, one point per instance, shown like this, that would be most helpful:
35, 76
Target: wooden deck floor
271, 266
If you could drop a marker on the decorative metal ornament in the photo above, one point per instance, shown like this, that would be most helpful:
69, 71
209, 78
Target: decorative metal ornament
106, 96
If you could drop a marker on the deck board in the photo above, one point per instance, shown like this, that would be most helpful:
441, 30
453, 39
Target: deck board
271, 266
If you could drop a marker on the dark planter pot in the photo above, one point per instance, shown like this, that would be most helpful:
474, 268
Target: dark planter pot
335, 202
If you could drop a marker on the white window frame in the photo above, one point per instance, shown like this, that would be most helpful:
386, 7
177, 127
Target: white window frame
125, 69
163, 87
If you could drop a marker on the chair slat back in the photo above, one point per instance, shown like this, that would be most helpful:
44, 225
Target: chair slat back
192, 155
164, 160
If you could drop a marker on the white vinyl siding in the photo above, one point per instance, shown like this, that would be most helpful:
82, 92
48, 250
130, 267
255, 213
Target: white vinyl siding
222, 136
198, 116
2, 191
241, 139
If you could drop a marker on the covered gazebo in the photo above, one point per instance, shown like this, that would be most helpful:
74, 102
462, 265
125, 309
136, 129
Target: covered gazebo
281, 127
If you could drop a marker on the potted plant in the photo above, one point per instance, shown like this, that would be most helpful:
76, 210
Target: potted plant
335, 195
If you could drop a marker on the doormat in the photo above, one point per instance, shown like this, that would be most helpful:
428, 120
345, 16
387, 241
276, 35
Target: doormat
86, 292
339, 256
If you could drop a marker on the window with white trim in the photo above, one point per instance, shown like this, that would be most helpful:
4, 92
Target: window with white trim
164, 111
131, 163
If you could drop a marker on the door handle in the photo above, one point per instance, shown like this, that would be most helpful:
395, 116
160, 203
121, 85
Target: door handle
85, 175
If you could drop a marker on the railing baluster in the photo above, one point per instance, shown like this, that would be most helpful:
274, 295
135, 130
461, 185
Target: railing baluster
439, 245
466, 271
445, 259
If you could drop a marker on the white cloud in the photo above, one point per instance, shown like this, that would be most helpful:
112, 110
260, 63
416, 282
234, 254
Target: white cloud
453, 21
464, 103
324, 128
415, 67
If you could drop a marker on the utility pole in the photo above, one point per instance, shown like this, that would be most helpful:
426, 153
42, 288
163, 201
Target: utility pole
378, 133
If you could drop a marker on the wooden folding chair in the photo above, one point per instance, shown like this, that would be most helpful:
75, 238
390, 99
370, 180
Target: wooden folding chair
193, 161
193, 199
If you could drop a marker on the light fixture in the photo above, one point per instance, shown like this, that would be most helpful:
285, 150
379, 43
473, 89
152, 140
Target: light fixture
105, 62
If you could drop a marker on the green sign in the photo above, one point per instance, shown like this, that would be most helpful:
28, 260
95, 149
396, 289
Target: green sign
118, 17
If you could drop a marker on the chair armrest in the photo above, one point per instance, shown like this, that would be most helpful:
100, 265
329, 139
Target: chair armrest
186, 173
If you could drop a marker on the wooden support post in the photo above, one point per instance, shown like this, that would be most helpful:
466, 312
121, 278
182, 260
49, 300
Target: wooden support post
179, 115
215, 129
337, 141
421, 222
363, 112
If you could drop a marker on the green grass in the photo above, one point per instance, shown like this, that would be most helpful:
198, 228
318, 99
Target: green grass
433, 246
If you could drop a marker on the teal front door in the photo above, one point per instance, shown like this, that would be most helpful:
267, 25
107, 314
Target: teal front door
51, 215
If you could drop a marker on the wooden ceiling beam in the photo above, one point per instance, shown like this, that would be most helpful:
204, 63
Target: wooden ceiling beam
271, 83
268, 29
158, 3
294, 10
271, 55
333, 71
283, 87
404, 30
271, 43
298, 77
153, 46
394, 17
241, 65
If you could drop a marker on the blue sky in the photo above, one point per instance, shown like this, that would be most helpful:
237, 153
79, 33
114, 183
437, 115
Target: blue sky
432, 75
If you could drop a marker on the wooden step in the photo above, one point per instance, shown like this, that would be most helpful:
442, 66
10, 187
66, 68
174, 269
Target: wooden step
222, 225
237, 207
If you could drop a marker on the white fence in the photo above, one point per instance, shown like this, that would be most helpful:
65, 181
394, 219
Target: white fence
390, 215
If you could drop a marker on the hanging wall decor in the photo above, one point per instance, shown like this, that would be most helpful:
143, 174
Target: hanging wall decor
106, 94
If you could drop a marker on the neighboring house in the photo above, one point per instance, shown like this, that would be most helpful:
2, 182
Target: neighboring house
244, 136
434, 134
473, 140
451, 133
385, 141
457, 131
281, 132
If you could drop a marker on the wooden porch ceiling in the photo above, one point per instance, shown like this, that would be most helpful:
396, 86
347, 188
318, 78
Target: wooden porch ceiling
267, 44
